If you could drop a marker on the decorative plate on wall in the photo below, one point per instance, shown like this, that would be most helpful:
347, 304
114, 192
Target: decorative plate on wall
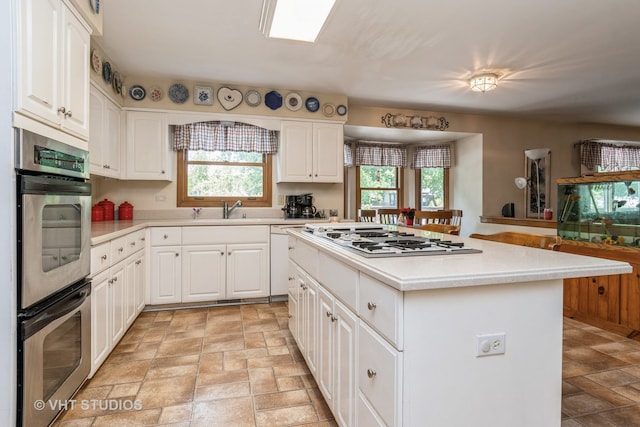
229, 98
155, 94
96, 62
341, 110
117, 83
106, 72
202, 95
328, 110
312, 104
293, 101
137, 92
273, 100
178, 93
95, 5
253, 98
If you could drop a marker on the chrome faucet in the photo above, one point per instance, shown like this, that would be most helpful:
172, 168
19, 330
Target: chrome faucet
226, 210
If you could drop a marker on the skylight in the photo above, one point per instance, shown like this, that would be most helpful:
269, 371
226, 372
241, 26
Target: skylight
294, 19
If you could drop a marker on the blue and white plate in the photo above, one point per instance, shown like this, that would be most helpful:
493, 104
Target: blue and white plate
341, 110
312, 104
252, 98
273, 100
106, 72
178, 93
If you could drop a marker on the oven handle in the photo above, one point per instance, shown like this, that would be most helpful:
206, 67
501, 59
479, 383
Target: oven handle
66, 305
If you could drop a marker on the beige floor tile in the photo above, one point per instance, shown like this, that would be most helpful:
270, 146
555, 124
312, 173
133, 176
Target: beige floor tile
222, 378
118, 373
222, 391
167, 362
286, 416
613, 378
583, 403
180, 347
211, 363
172, 371
281, 399
176, 414
290, 383
132, 418
166, 392
236, 412
123, 390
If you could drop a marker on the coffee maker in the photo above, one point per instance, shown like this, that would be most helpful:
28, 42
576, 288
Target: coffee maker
299, 206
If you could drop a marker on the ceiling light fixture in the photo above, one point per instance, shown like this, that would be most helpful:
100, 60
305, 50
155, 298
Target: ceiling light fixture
483, 82
294, 19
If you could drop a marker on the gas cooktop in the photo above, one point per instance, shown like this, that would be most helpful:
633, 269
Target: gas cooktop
376, 240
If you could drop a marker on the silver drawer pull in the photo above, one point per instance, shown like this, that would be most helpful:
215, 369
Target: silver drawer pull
165, 236
291, 278
138, 262
291, 247
132, 243
143, 239
333, 318
371, 305
371, 373
177, 254
103, 257
329, 314
120, 249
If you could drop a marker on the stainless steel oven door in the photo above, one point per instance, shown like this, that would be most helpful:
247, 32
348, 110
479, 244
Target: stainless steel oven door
54, 236
56, 357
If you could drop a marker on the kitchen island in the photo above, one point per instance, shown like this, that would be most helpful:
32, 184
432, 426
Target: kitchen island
443, 340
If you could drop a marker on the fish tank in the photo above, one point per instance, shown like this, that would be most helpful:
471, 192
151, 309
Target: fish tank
600, 209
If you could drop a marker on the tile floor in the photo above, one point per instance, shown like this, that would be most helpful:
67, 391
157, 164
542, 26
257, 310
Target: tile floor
238, 366
223, 366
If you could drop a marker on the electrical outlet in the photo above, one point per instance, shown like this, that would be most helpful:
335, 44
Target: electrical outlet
161, 198
281, 199
490, 344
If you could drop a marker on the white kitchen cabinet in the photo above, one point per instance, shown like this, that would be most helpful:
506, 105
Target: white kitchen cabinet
247, 270
53, 65
104, 141
203, 272
139, 277
166, 272
148, 153
308, 319
134, 287
336, 377
117, 303
292, 293
310, 152
100, 323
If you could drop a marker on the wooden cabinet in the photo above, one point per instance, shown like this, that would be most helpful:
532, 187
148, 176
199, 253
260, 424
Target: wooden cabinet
610, 302
310, 152
53, 66
104, 141
148, 154
117, 271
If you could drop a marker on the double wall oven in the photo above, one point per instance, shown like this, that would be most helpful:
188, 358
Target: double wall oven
53, 295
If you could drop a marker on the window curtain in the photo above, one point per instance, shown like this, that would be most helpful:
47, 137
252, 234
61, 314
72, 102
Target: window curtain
435, 156
217, 136
610, 156
348, 155
381, 155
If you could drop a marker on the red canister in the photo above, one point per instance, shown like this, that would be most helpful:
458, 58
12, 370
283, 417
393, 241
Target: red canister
97, 213
125, 211
109, 209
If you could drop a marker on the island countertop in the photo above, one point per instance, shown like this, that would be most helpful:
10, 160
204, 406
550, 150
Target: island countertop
497, 264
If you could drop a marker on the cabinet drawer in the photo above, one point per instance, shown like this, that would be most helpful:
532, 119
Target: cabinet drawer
217, 234
340, 279
166, 236
119, 249
135, 241
306, 256
379, 375
381, 307
100, 258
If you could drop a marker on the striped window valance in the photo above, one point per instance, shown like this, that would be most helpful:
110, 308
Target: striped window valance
434, 156
609, 155
217, 136
348, 155
381, 155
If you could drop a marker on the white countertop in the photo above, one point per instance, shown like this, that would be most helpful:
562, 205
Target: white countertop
103, 231
498, 263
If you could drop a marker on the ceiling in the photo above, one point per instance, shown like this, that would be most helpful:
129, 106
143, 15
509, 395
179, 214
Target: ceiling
569, 60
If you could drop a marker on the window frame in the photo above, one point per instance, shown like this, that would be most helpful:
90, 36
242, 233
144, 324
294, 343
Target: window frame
183, 200
399, 186
418, 188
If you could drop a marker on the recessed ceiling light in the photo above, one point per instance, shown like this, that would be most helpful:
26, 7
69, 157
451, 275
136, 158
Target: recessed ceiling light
294, 19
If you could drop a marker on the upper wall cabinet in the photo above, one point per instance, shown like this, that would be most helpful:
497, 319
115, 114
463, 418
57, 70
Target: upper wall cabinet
310, 152
148, 155
104, 143
53, 66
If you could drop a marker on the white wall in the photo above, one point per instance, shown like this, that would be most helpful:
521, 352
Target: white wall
466, 182
7, 219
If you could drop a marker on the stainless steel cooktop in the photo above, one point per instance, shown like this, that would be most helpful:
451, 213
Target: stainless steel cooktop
376, 240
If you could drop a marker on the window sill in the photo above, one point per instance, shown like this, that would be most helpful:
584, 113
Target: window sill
523, 222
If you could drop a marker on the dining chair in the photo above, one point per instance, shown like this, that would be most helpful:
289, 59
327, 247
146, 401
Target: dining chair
456, 220
438, 228
432, 217
367, 215
388, 216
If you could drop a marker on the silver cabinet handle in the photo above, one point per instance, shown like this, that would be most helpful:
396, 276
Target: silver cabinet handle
120, 249
143, 238
291, 247
371, 373
165, 236
115, 279
62, 110
177, 254
371, 305
68, 114
132, 243
222, 253
64, 257
103, 257
229, 253
329, 314
333, 318
55, 258
291, 278
138, 262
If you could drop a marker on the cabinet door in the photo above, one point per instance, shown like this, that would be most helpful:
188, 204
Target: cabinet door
139, 276
328, 155
326, 329
203, 272
147, 146
247, 270
344, 365
100, 323
295, 156
301, 280
292, 305
165, 277
311, 323
39, 52
112, 123
75, 74
117, 303
97, 144
130, 284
